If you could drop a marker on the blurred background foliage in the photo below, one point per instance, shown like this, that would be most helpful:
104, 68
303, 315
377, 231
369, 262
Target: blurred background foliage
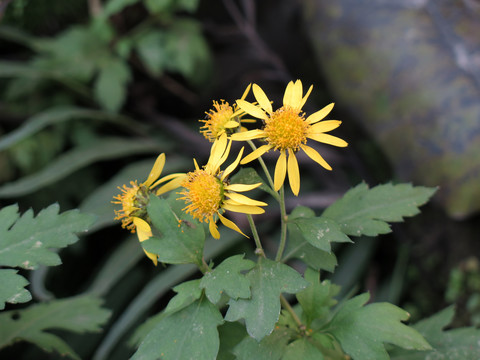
91, 91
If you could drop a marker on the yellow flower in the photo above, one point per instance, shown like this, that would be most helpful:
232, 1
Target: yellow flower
208, 193
287, 130
223, 118
134, 200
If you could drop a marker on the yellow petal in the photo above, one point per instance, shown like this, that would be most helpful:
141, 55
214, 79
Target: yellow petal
245, 93
171, 185
251, 109
315, 156
293, 173
280, 171
288, 96
167, 178
262, 99
245, 209
196, 164
255, 154
324, 126
231, 124
230, 224
218, 154
248, 135
320, 114
232, 166
297, 94
144, 232
328, 139
245, 200
304, 99
213, 229
156, 170
242, 187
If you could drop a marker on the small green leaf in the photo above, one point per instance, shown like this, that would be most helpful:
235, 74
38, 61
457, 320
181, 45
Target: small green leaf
28, 241
187, 293
320, 232
110, 86
115, 6
268, 280
317, 299
302, 349
12, 290
179, 242
78, 314
228, 277
454, 344
362, 330
270, 347
150, 48
364, 211
298, 247
231, 333
188, 334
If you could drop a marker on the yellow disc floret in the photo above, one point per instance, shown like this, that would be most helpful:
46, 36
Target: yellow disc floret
217, 119
286, 129
131, 199
204, 194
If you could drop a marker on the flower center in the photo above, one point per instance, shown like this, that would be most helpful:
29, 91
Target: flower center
216, 120
203, 195
286, 129
133, 200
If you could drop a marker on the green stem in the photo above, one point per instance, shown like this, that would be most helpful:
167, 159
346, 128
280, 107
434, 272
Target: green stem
286, 305
258, 244
264, 167
283, 229
203, 266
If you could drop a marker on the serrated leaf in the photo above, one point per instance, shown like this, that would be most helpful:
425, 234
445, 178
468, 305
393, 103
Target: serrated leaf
320, 232
27, 241
317, 298
250, 176
302, 349
179, 242
188, 334
268, 280
78, 314
75, 159
364, 211
298, 247
228, 277
362, 330
12, 290
187, 293
270, 347
454, 344
110, 86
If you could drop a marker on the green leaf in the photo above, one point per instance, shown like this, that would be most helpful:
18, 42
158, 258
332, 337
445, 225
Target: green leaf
78, 314
317, 299
230, 333
302, 349
150, 48
250, 176
104, 149
454, 344
12, 290
115, 6
320, 232
188, 334
27, 241
270, 347
268, 280
364, 211
187, 293
110, 86
298, 247
228, 277
362, 330
179, 242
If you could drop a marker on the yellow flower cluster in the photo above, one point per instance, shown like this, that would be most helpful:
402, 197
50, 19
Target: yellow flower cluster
207, 191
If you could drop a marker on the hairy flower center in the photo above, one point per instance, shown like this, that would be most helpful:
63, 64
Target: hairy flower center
128, 200
204, 194
286, 129
215, 124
